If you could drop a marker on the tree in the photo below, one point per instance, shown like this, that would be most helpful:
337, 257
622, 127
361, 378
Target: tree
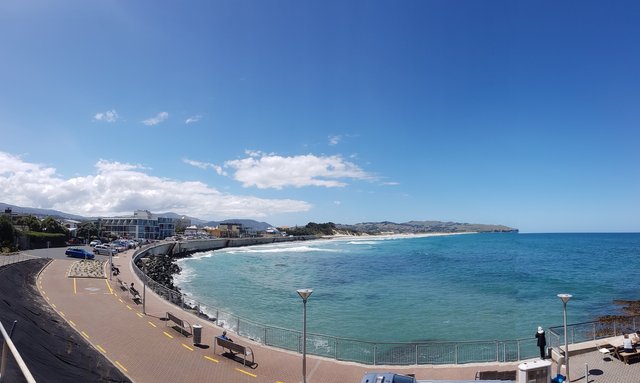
87, 230
50, 225
31, 222
7, 232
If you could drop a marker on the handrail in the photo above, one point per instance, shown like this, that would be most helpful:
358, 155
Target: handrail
8, 344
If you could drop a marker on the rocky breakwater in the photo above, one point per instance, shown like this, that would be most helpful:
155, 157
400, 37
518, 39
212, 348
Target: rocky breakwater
626, 322
161, 269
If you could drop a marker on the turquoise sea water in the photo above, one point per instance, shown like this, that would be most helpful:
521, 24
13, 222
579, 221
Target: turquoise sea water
460, 287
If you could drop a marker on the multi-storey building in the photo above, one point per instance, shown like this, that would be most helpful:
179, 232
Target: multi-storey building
142, 224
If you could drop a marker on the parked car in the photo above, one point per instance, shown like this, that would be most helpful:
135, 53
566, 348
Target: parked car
95, 242
104, 250
388, 377
78, 252
118, 247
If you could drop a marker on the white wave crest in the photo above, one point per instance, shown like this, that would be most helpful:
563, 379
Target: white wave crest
298, 249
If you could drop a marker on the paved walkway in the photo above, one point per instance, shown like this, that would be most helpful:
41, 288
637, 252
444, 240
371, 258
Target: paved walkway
147, 350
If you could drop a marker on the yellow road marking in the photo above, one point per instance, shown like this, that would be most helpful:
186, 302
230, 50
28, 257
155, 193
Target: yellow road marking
152, 324
121, 366
167, 334
84, 334
109, 286
72, 323
74, 286
140, 315
101, 349
245, 372
120, 299
46, 297
211, 359
61, 314
129, 307
53, 305
187, 347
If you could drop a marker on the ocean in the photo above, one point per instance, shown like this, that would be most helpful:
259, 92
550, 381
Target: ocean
497, 286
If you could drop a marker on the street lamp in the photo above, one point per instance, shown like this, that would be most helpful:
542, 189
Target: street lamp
565, 298
304, 294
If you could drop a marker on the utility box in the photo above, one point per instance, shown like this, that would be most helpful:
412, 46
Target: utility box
537, 371
197, 334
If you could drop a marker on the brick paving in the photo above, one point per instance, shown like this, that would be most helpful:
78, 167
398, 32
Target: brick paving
147, 350
602, 369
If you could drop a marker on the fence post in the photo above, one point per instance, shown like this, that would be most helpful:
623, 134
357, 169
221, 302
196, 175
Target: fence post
238, 326
264, 339
416, 354
497, 351
375, 351
455, 354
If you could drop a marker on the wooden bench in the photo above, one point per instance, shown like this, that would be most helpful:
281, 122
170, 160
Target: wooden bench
135, 295
181, 326
123, 285
245, 351
626, 356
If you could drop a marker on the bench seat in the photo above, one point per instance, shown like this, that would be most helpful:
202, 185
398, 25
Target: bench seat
181, 325
245, 351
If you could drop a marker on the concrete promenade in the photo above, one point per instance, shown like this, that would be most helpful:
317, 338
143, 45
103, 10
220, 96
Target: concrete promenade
147, 350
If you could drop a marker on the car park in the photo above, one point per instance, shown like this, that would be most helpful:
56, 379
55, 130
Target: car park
104, 250
78, 252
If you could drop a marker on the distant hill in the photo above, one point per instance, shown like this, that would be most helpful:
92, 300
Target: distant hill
414, 227
411, 227
194, 221
41, 212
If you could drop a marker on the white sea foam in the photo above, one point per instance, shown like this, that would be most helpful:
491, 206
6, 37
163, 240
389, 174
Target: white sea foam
187, 274
298, 249
363, 242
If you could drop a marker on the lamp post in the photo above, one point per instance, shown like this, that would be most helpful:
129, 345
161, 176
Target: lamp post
304, 294
565, 298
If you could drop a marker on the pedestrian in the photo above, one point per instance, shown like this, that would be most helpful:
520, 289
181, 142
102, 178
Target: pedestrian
542, 342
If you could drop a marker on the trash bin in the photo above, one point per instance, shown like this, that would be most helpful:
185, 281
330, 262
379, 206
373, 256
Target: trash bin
197, 334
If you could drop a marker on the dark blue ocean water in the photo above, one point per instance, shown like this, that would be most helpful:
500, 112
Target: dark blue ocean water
460, 287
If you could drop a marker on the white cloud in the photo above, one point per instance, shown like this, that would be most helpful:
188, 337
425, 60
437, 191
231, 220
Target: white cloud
120, 188
205, 166
334, 140
160, 117
266, 171
193, 119
108, 116
390, 183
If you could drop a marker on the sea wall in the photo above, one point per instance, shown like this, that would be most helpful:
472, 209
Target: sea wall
180, 249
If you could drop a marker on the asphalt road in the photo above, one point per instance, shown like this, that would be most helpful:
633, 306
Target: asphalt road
58, 252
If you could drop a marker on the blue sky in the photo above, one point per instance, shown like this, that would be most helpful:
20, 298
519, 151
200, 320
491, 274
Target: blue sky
517, 113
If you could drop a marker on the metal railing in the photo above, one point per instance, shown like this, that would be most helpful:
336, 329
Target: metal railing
344, 349
8, 348
590, 331
7, 259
